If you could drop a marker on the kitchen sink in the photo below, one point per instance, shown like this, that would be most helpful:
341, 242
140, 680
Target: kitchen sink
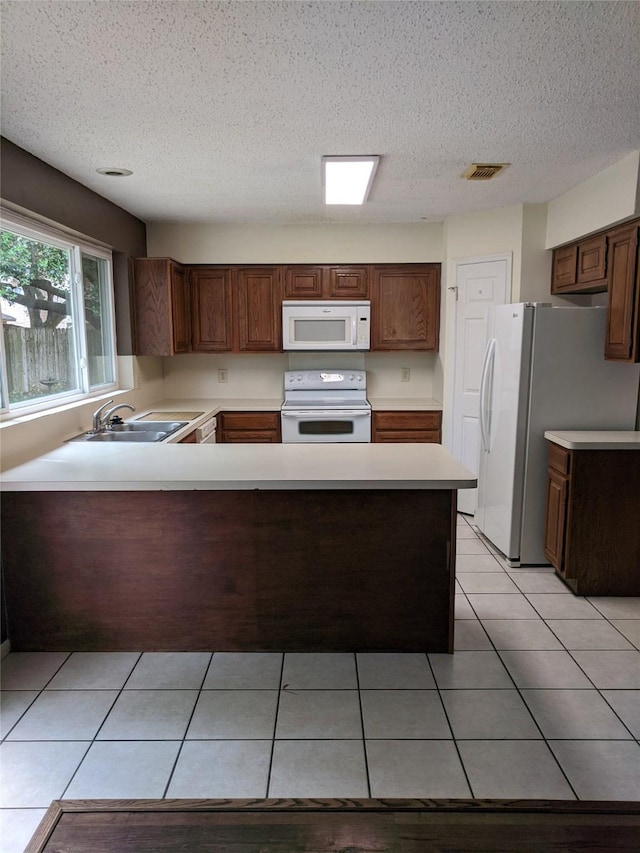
167, 427
138, 435
134, 431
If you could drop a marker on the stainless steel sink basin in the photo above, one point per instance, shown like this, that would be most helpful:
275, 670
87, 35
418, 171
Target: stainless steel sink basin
167, 427
134, 431
138, 436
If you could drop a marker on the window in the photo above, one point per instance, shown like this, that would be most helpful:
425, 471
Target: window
56, 296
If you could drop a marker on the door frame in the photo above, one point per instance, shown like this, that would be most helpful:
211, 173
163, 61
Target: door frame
452, 331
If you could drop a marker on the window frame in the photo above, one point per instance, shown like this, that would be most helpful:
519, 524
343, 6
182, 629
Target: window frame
77, 245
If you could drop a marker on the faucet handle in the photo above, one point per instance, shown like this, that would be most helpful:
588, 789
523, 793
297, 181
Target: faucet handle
102, 408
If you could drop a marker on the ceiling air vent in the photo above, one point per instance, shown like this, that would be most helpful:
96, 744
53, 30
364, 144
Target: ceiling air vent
483, 171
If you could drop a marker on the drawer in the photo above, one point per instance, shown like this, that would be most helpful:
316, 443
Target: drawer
405, 436
407, 420
250, 420
559, 458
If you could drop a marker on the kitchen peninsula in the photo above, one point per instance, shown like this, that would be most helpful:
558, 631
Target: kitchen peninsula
253, 547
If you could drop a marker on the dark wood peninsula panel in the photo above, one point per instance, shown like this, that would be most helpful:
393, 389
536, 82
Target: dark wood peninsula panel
252, 570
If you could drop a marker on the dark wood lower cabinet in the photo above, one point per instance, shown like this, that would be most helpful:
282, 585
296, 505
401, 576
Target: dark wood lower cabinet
255, 570
249, 427
592, 532
407, 426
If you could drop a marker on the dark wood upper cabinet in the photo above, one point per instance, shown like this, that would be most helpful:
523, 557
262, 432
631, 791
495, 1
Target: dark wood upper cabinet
580, 267
162, 313
258, 295
324, 281
211, 306
564, 269
233, 308
346, 282
606, 261
592, 261
405, 307
303, 282
622, 341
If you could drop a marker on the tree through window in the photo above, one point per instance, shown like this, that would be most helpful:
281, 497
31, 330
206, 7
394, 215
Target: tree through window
57, 318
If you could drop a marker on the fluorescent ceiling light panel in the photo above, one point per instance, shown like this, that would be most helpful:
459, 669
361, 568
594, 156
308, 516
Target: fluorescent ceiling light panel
347, 180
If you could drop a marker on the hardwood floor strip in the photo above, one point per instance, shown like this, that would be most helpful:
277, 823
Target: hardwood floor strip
335, 826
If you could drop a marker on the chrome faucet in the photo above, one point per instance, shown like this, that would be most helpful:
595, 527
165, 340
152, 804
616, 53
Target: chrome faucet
97, 417
108, 415
100, 421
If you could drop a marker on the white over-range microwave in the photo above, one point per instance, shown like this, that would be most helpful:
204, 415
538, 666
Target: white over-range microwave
318, 326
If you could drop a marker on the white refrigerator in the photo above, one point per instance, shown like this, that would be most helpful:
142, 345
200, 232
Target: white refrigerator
543, 369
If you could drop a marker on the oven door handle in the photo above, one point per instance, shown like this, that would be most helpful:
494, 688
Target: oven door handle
315, 413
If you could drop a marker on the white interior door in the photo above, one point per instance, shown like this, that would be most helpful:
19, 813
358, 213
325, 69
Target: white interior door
480, 283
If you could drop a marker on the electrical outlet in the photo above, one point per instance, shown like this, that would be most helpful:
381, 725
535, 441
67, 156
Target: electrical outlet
222, 375
405, 374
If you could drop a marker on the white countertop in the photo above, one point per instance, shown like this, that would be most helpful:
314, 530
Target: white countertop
595, 439
210, 407
142, 467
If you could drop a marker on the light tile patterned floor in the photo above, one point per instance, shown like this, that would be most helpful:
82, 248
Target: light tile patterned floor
540, 700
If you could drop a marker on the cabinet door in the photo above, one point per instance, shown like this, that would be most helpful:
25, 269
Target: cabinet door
346, 282
393, 427
249, 427
160, 314
212, 322
592, 260
565, 264
555, 519
181, 309
405, 307
258, 295
622, 342
303, 282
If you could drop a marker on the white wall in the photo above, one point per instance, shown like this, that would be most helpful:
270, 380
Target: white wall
203, 243
605, 199
261, 376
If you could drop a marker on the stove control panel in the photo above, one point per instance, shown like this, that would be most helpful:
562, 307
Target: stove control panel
335, 380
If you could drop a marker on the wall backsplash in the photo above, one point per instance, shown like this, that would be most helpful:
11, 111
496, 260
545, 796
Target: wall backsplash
261, 376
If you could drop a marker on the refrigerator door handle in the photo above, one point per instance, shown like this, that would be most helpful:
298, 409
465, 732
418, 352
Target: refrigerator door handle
485, 386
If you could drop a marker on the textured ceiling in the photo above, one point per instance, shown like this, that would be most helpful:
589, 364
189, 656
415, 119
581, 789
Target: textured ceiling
224, 109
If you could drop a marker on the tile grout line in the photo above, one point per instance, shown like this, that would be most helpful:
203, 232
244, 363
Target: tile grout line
453, 737
275, 724
364, 739
186, 729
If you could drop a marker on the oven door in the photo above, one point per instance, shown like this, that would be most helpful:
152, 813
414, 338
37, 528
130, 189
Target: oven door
305, 426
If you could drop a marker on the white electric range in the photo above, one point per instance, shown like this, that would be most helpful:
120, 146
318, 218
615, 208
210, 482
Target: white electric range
325, 406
